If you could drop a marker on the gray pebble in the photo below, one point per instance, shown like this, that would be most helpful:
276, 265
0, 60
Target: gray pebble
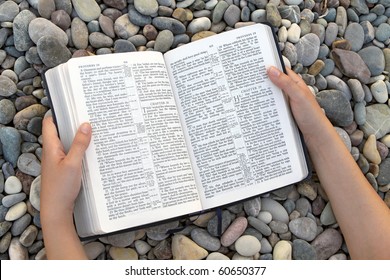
29, 164
303, 228
12, 199
354, 33
259, 225
10, 139
52, 51
121, 46
374, 58
302, 250
7, 111
22, 39
164, 41
205, 240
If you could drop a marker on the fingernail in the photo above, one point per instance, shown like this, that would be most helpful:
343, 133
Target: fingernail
85, 128
273, 71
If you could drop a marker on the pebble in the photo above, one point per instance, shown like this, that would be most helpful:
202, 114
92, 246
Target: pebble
302, 250
142, 247
382, 33
282, 250
265, 217
377, 120
17, 251
327, 243
252, 207
87, 10
94, 249
247, 245
259, 225
12, 185
159, 232
79, 32
61, 19
123, 28
12, 199
212, 226
4, 227
7, 86
232, 15
327, 217
303, 228
217, 256
29, 164
205, 240
162, 250
28, 236
234, 231
337, 107
354, 33
308, 49
374, 58
10, 139
379, 91
117, 253
121, 46
184, 248
16, 211
276, 209
164, 41
384, 174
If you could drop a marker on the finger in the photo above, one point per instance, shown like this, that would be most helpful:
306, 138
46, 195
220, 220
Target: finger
286, 83
51, 142
80, 143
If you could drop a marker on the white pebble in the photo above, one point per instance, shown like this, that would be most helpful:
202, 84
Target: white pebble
16, 211
265, 216
247, 245
282, 250
12, 185
217, 256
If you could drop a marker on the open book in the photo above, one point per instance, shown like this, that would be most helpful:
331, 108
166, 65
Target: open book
194, 129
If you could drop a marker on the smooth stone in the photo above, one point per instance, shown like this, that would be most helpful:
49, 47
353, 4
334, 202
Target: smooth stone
356, 89
20, 27
160, 232
327, 243
354, 33
303, 228
302, 250
118, 4
175, 26
164, 41
199, 24
379, 91
5, 242
142, 247
121, 46
253, 232
252, 207
384, 174
328, 68
87, 10
377, 120
94, 249
265, 217
386, 140
163, 250
79, 32
35, 193
351, 65
4, 227
137, 18
294, 33
203, 219
8, 11
52, 51
359, 111
205, 240
28, 236
247, 245
29, 164
234, 231
290, 52
341, 20
123, 253
184, 248
12, 185
121, 239
219, 11
337, 107
146, 7
308, 49
16, 211
316, 67
40, 27
7, 86
273, 15
46, 8
138, 40
369, 31
100, 40
17, 251
335, 82
276, 209
282, 250
212, 226
382, 33
345, 138
266, 247
217, 256
278, 227
259, 225
386, 53
327, 217
124, 28
61, 19
107, 26
10, 139
292, 14
374, 58
12, 199
232, 15
360, 6
307, 189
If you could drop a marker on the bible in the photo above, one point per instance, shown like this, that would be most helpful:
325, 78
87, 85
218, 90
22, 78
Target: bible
173, 134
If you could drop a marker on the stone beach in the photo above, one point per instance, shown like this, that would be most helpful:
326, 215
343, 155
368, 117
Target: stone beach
340, 48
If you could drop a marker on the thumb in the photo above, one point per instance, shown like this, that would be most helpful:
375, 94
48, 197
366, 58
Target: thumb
80, 143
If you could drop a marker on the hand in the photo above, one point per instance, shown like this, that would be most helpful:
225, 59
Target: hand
61, 173
306, 111
60, 185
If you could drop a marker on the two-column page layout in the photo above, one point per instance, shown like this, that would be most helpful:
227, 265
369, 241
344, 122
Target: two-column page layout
194, 129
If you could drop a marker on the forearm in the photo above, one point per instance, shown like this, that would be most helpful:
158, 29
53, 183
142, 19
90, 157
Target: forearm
361, 214
61, 239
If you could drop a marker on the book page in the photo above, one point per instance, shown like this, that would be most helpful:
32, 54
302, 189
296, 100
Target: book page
138, 165
243, 139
